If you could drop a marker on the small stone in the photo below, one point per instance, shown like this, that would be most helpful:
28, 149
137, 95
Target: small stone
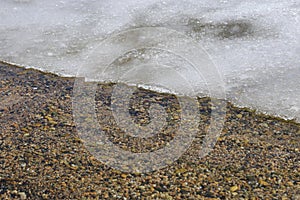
51, 120
250, 177
123, 175
239, 116
265, 125
37, 125
290, 183
106, 195
142, 187
5, 109
176, 117
234, 188
263, 183
15, 125
22, 195
74, 167
234, 193
24, 130
228, 178
64, 184
14, 192
168, 197
180, 171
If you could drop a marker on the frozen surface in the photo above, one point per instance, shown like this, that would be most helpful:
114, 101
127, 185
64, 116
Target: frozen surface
255, 44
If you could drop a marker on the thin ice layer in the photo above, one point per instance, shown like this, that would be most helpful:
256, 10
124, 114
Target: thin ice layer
254, 44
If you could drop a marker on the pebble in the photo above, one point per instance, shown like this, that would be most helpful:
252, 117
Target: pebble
234, 188
42, 155
22, 195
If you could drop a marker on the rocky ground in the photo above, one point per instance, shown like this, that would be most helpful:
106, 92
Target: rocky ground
43, 157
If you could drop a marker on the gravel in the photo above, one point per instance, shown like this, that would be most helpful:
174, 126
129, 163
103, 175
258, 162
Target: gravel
42, 156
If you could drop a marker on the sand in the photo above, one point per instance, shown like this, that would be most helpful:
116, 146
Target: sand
42, 156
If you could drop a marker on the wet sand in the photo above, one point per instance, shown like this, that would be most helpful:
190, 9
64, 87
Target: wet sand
42, 157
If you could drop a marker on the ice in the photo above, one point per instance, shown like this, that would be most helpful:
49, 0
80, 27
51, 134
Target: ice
255, 44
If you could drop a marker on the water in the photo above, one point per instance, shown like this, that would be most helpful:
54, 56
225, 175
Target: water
255, 44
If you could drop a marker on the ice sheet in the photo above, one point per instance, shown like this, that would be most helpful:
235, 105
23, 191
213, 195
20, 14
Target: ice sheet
254, 44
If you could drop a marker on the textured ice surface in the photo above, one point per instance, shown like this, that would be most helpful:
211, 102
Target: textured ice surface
255, 44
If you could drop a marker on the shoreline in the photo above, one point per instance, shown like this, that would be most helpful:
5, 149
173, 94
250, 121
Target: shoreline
256, 156
255, 111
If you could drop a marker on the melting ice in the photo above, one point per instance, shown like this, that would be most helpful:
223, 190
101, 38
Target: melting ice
255, 44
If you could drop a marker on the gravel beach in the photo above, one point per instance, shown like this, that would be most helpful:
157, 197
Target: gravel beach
42, 157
